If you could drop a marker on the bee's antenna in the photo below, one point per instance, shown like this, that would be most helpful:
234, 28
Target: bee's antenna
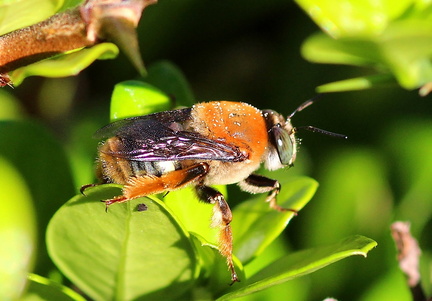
304, 105
317, 130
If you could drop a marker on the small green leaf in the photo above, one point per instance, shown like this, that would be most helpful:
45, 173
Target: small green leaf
255, 225
41, 288
359, 83
302, 263
195, 216
21, 13
321, 48
66, 65
124, 253
17, 231
135, 98
169, 78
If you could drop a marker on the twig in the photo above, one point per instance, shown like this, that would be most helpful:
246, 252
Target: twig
408, 256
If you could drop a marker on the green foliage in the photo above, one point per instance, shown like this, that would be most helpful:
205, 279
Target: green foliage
392, 38
133, 247
16, 14
40, 288
167, 251
66, 65
17, 228
380, 174
122, 254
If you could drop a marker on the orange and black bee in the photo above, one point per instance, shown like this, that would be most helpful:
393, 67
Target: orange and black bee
212, 143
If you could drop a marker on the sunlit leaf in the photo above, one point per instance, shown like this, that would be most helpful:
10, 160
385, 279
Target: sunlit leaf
42, 289
135, 98
354, 18
66, 65
21, 13
196, 216
17, 231
398, 48
359, 83
256, 225
124, 253
321, 48
302, 263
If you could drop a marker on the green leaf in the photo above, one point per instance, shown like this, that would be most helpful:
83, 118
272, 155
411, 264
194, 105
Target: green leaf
67, 64
214, 266
195, 216
135, 98
123, 254
41, 161
17, 231
321, 48
354, 18
70, 4
255, 225
22, 13
302, 263
359, 83
401, 48
42, 289
164, 87
169, 78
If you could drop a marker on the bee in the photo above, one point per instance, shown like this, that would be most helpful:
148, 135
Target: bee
211, 143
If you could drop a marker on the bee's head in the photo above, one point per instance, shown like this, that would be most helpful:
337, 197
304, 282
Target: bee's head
282, 140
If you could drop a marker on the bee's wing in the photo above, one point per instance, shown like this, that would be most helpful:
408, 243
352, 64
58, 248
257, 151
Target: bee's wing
133, 125
156, 137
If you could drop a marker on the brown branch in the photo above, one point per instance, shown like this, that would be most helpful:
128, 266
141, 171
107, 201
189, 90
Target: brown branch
89, 24
60, 33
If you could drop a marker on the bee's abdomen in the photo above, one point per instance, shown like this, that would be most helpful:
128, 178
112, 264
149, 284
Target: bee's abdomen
114, 168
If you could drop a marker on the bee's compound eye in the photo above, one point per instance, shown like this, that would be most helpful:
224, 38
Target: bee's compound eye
285, 145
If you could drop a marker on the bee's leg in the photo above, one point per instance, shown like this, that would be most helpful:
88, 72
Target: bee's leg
222, 217
145, 185
260, 184
84, 188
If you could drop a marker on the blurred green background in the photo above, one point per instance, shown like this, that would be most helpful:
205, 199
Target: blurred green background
250, 51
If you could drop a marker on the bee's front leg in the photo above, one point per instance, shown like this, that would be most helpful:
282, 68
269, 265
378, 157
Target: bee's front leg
221, 219
260, 184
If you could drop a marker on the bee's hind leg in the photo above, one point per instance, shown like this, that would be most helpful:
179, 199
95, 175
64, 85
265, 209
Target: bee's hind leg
141, 186
222, 217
